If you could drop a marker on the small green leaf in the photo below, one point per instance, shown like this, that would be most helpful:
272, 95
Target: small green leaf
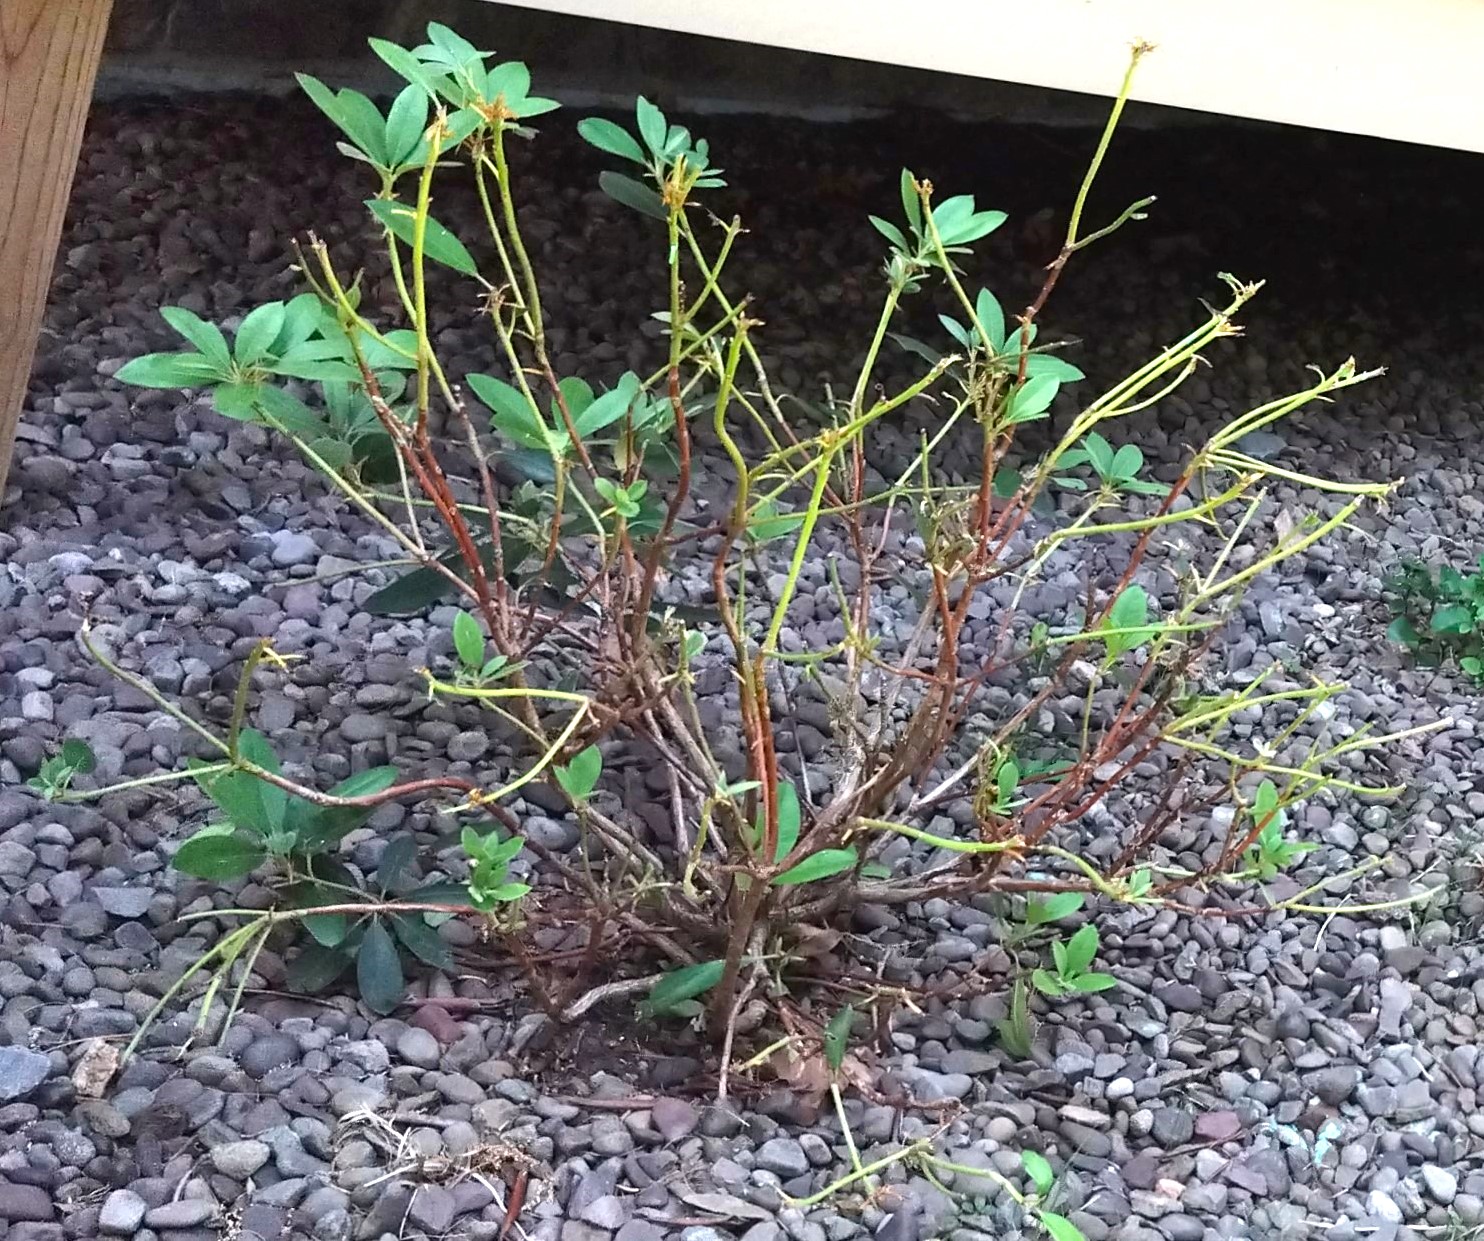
439, 244
890, 231
1099, 453
1126, 463
468, 640
632, 194
78, 755
613, 139
789, 819
837, 1037
609, 407
991, 318
579, 777
1048, 364
379, 970
682, 984
1452, 618
911, 203
1047, 983
1031, 400
1402, 631
1094, 982
652, 126
220, 853
1081, 949
328, 929
1060, 1227
1040, 910
817, 866
1039, 1170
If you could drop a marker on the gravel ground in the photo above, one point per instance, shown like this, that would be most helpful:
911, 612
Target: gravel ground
1289, 1077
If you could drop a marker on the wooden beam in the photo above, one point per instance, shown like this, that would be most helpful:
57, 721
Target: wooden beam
49, 53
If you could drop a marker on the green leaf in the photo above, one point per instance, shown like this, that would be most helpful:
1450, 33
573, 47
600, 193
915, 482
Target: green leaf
1099, 453
511, 414
170, 370
958, 331
365, 783
652, 126
254, 747
405, 124
1031, 400
1452, 618
682, 984
1473, 666
391, 868
1127, 462
991, 318
912, 345
1093, 982
468, 640
911, 203
1058, 368
613, 139
837, 1037
220, 853
509, 83
78, 755
315, 967
817, 866
237, 400
632, 194
439, 244
358, 118
579, 777
1039, 910
1039, 1170
379, 970
1060, 1227
1047, 983
1402, 631
765, 523
328, 929
1081, 949
1130, 611
422, 941
609, 407
287, 410
207, 337
405, 64
890, 231
258, 330
1007, 780
789, 819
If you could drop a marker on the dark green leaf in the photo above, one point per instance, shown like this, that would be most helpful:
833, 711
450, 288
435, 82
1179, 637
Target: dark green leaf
633, 194
512, 415
912, 345
422, 941
817, 866
379, 970
391, 868
287, 410
316, 967
682, 984
439, 244
220, 853
613, 139
1452, 618
837, 1037
78, 755
328, 929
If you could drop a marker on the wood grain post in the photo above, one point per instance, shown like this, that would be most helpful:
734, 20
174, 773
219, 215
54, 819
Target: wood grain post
49, 53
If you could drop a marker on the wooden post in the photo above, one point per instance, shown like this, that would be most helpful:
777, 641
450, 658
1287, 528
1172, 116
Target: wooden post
49, 53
